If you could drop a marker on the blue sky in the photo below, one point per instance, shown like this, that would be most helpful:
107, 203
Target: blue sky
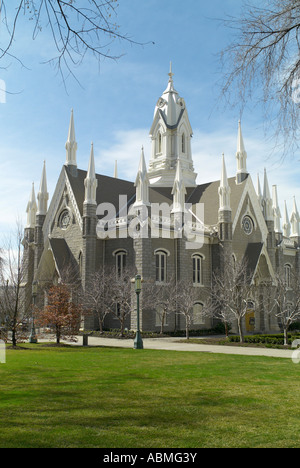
114, 105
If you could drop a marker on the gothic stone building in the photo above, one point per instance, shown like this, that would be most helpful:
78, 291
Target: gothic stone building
236, 216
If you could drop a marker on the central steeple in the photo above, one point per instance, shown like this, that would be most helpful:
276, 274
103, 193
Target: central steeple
171, 134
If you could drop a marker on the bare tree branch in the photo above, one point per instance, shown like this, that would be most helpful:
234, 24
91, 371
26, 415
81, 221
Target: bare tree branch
262, 63
78, 28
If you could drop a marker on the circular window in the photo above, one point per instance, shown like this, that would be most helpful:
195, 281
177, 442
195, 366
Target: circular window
247, 224
64, 219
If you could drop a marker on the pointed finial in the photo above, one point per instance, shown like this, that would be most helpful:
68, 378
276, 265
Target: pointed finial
286, 227
31, 209
276, 211
91, 182
71, 144
224, 189
241, 156
295, 219
43, 195
171, 74
116, 170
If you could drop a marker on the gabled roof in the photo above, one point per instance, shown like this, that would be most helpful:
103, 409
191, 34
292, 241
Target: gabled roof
207, 194
252, 256
63, 258
108, 191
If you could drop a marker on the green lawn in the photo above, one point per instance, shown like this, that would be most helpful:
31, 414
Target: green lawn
117, 398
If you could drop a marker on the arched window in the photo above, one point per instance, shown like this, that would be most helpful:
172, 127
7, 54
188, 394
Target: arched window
183, 143
161, 266
198, 317
159, 143
120, 261
287, 275
197, 270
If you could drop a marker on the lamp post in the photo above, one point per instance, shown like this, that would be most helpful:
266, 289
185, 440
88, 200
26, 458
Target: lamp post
138, 342
32, 337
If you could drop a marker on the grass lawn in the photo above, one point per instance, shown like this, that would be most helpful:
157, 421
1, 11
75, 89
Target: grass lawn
126, 398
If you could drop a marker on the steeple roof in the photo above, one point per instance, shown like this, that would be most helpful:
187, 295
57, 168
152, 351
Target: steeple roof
31, 209
71, 144
43, 195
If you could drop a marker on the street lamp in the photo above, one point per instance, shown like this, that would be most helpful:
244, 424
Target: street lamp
138, 342
32, 337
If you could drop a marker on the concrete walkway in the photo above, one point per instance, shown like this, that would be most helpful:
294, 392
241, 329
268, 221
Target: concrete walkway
177, 344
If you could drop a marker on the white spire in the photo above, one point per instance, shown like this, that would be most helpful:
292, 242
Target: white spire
171, 135
90, 181
116, 170
179, 191
43, 194
241, 156
71, 145
267, 200
295, 219
224, 189
276, 211
259, 194
286, 227
142, 183
31, 209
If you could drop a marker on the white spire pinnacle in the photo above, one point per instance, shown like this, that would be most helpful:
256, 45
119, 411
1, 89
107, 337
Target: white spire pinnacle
259, 194
31, 209
276, 211
90, 181
267, 201
224, 189
43, 194
71, 145
179, 191
286, 227
142, 182
295, 219
116, 170
241, 156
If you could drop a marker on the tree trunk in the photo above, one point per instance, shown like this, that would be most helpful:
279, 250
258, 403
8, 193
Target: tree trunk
240, 330
187, 332
285, 334
14, 338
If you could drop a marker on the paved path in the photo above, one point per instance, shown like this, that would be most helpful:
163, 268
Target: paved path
177, 344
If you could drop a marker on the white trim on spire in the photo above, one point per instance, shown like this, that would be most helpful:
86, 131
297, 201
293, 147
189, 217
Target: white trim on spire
142, 183
71, 144
267, 200
31, 209
116, 170
276, 211
43, 194
241, 156
259, 194
295, 219
90, 182
286, 227
179, 190
224, 189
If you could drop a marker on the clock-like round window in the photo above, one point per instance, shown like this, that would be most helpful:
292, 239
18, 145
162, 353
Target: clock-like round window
64, 219
247, 224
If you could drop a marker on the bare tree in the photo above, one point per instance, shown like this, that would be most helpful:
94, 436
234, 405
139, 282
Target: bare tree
263, 62
98, 294
283, 300
78, 28
15, 311
120, 291
186, 297
161, 298
231, 292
